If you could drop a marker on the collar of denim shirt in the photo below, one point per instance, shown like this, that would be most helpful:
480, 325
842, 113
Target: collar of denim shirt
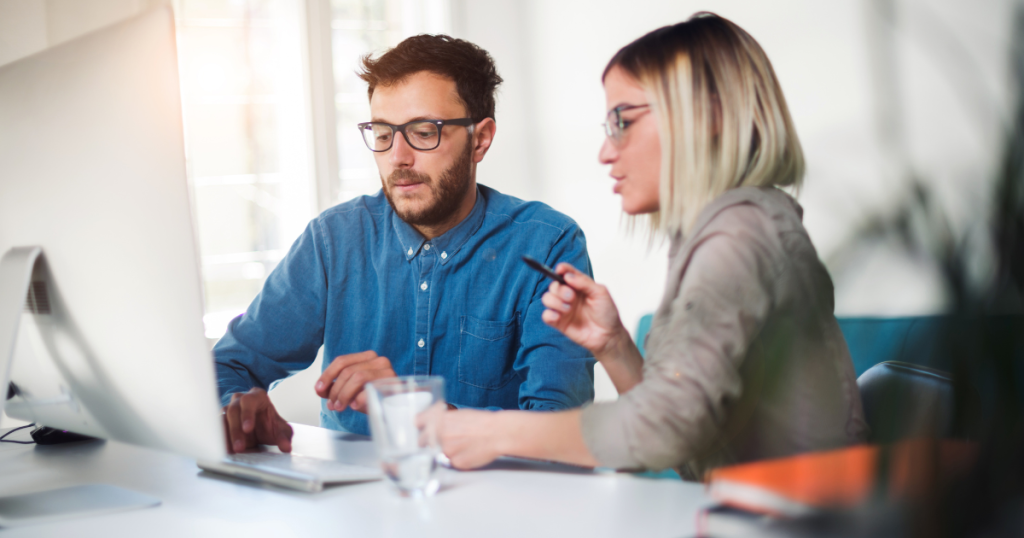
447, 243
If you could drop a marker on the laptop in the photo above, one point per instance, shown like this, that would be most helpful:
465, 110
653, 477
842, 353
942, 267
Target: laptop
290, 471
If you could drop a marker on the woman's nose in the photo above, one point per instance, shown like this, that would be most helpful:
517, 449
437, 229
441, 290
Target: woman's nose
609, 153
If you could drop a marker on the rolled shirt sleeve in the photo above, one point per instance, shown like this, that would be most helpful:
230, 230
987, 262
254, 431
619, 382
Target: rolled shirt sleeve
692, 376
558, 373
282, 330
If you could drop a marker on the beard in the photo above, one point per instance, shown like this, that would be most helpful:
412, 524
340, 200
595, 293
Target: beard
446, 194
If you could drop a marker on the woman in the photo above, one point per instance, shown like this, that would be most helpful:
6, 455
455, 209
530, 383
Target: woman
745, 358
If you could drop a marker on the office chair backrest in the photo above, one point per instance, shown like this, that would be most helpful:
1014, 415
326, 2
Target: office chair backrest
642, 329
906, 400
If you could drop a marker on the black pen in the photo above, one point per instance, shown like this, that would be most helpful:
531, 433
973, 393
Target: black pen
544, 270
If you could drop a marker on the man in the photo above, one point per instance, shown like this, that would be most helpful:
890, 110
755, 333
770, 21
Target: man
423, 278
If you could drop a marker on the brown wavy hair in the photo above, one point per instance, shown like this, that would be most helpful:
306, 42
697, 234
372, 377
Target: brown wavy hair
471, 67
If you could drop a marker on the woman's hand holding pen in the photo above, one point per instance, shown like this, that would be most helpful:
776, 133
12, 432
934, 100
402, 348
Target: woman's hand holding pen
585, 312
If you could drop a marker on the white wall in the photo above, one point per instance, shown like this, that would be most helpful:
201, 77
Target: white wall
22, 28
29, 26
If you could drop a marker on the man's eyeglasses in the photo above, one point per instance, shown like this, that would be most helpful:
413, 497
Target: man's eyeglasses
423, 135
614, 124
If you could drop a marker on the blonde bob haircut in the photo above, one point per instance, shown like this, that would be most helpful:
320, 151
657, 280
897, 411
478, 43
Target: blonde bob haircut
722, 117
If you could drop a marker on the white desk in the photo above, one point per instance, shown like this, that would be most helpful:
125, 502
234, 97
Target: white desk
520, 503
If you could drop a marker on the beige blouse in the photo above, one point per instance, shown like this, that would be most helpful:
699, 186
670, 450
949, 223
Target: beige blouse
745, 359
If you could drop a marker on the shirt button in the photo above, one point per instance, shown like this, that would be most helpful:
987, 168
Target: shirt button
423, 286
421, 343
426, 247
410, 251
444, 255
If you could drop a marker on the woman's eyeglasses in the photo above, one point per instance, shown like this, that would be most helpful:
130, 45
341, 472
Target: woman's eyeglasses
615, 124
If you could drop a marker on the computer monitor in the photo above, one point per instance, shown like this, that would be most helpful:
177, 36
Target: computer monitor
92, 171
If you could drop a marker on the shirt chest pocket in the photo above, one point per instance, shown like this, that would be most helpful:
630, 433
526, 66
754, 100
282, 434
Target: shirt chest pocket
487, 350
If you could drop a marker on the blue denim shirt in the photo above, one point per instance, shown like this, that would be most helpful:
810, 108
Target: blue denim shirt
463, 306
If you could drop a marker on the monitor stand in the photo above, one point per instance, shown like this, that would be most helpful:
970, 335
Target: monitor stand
16, 269
15, 278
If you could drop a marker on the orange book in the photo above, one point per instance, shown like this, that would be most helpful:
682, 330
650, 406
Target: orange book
837, 479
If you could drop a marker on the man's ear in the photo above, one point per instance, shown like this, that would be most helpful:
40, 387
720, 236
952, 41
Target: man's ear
483, 136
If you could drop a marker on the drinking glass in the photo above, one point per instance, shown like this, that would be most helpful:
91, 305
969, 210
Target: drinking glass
405, 413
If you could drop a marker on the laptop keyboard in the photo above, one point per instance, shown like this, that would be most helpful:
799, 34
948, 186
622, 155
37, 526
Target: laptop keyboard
323, 469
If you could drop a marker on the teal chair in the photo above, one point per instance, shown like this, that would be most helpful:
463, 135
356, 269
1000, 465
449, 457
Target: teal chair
913, 340
921, 340
642, 329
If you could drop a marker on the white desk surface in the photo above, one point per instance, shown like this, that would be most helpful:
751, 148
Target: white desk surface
496, 502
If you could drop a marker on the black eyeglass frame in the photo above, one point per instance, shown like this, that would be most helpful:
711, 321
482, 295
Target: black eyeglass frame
620, 124
464, 122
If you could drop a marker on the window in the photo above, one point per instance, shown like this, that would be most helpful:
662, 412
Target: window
359, 27
249, 94
246, 142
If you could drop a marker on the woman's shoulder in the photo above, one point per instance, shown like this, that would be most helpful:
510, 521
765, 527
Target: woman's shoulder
767, 224
749, 214
762, 222
751, 206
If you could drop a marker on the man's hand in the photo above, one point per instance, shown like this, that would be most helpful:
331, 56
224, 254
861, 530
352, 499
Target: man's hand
251, 420
342, 382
